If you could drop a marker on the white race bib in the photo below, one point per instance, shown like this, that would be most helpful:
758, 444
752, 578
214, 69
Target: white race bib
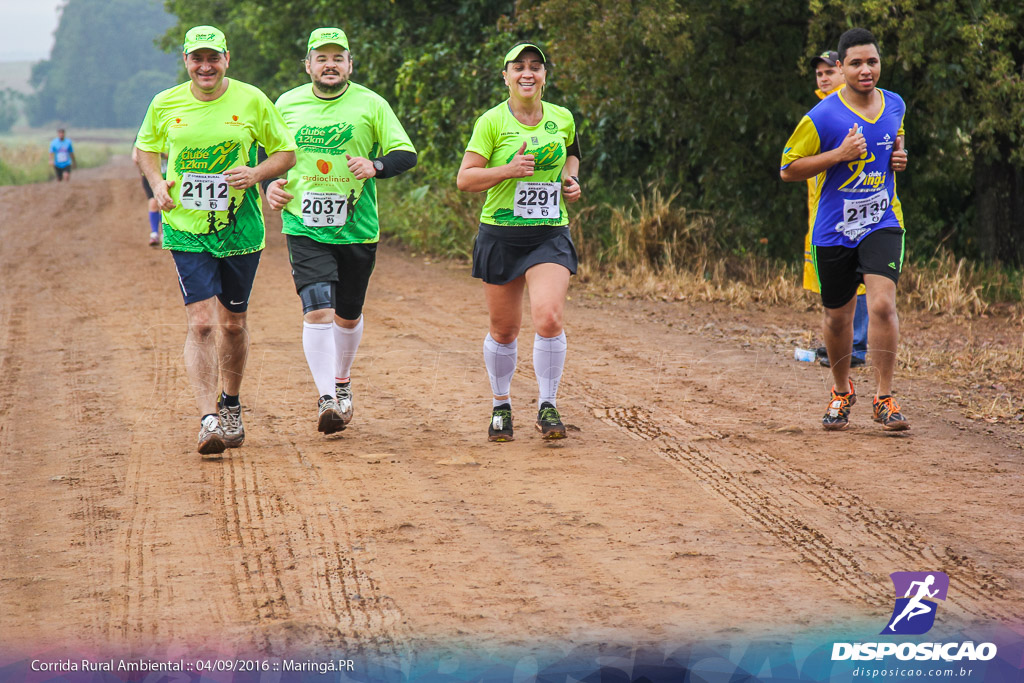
62, 156
860, 214
537, 200
324, 208
204, 192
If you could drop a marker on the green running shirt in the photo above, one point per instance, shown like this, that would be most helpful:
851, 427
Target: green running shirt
498, 136
360, 123
203, 139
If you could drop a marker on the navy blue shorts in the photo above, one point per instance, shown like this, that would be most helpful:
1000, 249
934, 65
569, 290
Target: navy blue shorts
203, 276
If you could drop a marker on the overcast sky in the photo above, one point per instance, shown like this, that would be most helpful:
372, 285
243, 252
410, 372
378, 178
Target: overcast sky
26, 29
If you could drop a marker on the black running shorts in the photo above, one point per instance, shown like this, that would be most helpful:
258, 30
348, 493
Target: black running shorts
503, 253
842, 269
347, 265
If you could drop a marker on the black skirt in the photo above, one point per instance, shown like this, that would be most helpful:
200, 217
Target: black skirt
503, 253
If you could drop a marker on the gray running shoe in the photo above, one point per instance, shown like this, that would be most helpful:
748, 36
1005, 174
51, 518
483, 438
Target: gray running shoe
329, 417
211, 437
231, 423
344, 396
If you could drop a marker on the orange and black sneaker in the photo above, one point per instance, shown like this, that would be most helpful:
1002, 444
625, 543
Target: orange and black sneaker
887, 412
837, 417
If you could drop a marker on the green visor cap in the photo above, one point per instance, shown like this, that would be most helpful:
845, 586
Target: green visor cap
209, 37
518, 50
327, 36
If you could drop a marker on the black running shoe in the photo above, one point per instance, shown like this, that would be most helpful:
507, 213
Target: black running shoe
549, 422
837, 416
887, 412
500, 428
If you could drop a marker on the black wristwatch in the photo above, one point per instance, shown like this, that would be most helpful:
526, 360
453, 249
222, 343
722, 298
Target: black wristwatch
378, 165
576, 179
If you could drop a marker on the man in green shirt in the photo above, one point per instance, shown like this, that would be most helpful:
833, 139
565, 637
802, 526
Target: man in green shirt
347, 137
213, 220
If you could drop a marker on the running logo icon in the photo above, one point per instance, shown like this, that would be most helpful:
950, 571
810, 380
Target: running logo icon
914, 612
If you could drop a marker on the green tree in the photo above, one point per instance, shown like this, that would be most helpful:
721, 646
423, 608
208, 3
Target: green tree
99, 46
132, 96
696, 94
692, 94
436, 62
10, 108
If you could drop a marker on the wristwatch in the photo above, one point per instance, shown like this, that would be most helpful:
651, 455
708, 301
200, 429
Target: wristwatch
378, 165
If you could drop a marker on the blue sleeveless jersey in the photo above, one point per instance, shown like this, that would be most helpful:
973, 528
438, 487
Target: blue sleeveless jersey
853, 198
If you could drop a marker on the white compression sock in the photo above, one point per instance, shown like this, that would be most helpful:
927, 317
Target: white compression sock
318, 343
346, 341
548, 361
500, 360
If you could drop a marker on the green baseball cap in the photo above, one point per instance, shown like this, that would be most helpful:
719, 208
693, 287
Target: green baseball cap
209, 37
327, 36
516, 50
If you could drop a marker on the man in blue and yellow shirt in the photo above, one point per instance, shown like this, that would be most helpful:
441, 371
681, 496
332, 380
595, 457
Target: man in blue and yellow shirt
851, 145
828, 76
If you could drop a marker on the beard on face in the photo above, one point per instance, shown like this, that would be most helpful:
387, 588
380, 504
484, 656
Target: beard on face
332, 89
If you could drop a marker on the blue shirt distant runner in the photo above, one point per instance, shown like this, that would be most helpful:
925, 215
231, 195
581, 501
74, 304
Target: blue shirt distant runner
62, 155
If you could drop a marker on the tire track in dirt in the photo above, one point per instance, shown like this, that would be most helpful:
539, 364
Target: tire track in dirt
837, 554
296, 564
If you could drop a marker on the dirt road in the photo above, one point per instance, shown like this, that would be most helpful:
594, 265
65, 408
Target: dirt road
696, 497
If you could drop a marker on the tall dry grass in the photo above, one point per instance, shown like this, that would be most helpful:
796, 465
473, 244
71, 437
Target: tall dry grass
947, 285
658, 249
655, 248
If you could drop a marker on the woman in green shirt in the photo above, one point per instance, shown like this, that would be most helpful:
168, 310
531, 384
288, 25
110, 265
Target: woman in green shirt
525, 155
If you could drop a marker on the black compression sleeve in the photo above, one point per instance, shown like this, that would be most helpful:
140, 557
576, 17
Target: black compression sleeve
573, 150
395, 162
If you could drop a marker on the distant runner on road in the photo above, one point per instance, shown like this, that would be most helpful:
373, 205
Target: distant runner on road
853, 142
525, 154
213, 220
62, 156
151, 205
348, 137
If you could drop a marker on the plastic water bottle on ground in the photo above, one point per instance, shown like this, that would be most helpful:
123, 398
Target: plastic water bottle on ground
806, 355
